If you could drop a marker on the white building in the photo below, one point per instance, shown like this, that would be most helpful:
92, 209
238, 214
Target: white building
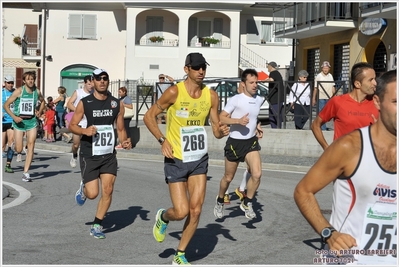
66, 41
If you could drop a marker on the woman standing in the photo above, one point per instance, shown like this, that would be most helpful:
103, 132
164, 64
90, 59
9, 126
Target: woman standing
59, 106
127, 102
300, 100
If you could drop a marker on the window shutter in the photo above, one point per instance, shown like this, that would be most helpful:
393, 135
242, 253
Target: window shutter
89, 26
218, 28
252, 32
75, 26
192, 31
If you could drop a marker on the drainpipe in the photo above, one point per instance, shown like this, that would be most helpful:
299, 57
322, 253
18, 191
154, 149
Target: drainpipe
43, 48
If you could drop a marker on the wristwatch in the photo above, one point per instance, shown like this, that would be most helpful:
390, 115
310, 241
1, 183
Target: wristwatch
326, 233
161, 139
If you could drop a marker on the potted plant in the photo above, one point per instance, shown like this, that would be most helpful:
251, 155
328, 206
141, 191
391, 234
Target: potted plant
155, 39
17, 40
211, 40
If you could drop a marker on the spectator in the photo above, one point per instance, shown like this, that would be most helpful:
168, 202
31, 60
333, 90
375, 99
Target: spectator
300, 100
165, 81
127, 103
49, 122
325, 90
276, 95
60, 106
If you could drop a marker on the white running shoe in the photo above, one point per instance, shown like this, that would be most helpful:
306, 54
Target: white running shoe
249, 212
218, 210
26, 177
73, 162
19, 157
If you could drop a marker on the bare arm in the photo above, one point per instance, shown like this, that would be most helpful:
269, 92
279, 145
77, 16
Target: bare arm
120, 129
318, 133
72, 99
226, 119
219, 129
58, 99
17, 93
167, 99
339, 159
76, 118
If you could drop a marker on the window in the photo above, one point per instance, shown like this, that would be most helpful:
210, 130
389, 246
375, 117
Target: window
82, 26
262, 32
154, 26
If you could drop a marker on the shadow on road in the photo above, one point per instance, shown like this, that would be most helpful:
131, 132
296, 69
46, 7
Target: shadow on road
202, 243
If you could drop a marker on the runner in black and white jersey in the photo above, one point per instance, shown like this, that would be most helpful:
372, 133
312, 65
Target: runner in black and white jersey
97, 152
241, 113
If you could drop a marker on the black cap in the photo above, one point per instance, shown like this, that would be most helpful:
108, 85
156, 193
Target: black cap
195, 59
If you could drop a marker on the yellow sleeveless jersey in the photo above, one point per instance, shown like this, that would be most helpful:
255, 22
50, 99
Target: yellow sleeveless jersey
186, 113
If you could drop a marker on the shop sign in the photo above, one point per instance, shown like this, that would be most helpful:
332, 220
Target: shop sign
372, 26
75, 73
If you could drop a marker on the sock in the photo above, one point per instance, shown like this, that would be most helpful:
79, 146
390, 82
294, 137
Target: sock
227, 192
10, 154
245, 179
97, 221
165, 221
179, 252
75, 155
220, 200
246, 200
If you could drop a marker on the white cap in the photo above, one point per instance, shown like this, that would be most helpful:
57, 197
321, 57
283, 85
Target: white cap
97, 72
9, 78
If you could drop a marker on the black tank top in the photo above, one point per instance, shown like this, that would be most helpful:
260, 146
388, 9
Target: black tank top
99, 112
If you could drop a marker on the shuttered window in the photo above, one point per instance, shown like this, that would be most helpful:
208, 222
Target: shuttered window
82, 26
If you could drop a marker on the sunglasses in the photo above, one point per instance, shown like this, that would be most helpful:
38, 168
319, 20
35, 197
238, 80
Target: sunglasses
10, 82
203, 67
99, 78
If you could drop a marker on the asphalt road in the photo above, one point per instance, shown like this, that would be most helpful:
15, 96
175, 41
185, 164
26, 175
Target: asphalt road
43, 225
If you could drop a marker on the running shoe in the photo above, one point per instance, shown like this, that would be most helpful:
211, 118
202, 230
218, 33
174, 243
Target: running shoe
180, 259
218, 210
8, 169
80, 196
4, 154
26, 177
240, 194
249, 212
19, 157
226, 199
25, 150
96, 230
73, 162
159, 229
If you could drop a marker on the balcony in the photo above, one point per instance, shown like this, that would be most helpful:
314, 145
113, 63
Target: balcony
30, 49
378, 10
305, 20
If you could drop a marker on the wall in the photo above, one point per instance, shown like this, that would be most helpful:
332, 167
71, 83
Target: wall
274, 141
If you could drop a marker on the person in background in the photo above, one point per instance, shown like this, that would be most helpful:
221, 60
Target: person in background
165, 81
363, 168
185, 170
60, 106
7, 129
325, 90
77, 95
49, 122
276, 95
65, 131
24, 117
127, 103
350, 111
300, 100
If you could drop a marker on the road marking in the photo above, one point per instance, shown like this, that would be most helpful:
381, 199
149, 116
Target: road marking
24, 195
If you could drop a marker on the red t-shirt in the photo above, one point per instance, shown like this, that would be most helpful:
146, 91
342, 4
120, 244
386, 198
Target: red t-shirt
348, 114
50, 116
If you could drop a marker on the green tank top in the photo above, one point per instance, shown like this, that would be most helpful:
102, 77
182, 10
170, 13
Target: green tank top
24, 107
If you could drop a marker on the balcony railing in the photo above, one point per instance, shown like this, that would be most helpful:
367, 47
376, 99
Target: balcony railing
307, 13
30, 47
165, 42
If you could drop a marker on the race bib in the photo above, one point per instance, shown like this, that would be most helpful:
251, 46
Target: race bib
26, 108
379, 235
194, 143
103, 140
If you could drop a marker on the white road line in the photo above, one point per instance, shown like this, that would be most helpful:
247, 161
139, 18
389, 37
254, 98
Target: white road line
24, 195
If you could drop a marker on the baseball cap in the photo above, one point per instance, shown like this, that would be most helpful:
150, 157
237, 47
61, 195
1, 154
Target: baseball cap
97, 72
195, 59
273, 64
9, 78
326, 64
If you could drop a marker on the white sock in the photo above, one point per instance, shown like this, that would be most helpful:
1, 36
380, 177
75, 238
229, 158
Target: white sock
245, 178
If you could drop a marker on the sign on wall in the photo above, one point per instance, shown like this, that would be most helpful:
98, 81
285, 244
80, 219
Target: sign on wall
372, 26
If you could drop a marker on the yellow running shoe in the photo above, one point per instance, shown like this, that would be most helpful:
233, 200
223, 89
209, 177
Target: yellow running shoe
180, 259
160, 226
226, 199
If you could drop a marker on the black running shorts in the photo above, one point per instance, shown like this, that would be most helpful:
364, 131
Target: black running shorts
92, 167
236, 149
177, 171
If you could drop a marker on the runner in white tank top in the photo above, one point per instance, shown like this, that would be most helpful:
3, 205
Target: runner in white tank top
363, 224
